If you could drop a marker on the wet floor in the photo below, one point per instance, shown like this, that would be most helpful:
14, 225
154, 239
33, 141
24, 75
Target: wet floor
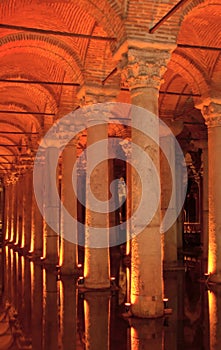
40, 310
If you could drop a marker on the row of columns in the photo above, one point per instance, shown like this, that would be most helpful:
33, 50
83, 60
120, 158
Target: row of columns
143, 70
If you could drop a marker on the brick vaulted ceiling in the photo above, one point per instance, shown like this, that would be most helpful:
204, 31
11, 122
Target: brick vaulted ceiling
40, 56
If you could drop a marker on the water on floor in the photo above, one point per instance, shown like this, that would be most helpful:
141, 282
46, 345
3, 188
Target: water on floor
40, 310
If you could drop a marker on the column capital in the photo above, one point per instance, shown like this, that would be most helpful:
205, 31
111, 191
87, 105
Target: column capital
92, 94
144, 68
212, 114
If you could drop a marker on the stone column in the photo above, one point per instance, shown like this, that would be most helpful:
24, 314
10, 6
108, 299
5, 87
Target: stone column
203, 144
27, 209
20, 217
212, 115
15, 209
143, 71
8, 216
97, 260
179, 175
97, 264
205, 214
69, 258
37, 225
167, 169
51, 208
6, 201
12, 185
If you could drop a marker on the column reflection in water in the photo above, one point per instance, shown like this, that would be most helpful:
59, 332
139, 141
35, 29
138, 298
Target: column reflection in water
8, 274
50, 335
14, 276
147, 334
37, 305
174, 291
97, 320
119, 327
215, 317
68, 294
194, 312
27, 300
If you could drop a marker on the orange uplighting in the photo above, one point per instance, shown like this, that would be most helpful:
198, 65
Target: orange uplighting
212, 251
213, 321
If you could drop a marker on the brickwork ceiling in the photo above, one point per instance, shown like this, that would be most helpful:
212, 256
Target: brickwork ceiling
43, 56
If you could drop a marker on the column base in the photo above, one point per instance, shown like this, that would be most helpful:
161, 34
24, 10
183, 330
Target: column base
96, 286
69, 271
146, 307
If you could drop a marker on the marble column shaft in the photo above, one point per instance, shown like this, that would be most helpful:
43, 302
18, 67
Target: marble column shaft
143, 72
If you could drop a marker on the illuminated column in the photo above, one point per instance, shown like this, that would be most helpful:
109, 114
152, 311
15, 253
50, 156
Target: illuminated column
179, 189
167, 168
203, 144
37, 219
6, 203
115, 254
69, 200
143, 71
12, 200
97, 261
212, 115
97, 322
126, 147
20, 210
97, 264
9, 209
205, 213
51, 207
27, 207
15, 210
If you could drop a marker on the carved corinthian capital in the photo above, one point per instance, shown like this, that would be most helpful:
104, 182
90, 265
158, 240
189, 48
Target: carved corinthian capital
144, 68
212, 114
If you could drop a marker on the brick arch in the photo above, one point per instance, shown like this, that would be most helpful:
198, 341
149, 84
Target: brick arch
216, 75
33, 97
173, 81
50, 47
195, 5
192, 73
18, 122
106, 13
12, 124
